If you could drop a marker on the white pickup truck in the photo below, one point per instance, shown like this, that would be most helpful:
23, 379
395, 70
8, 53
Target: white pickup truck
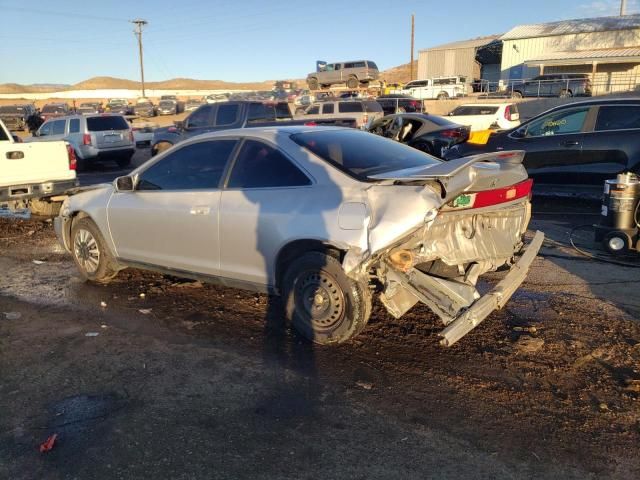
435, 88
33, 174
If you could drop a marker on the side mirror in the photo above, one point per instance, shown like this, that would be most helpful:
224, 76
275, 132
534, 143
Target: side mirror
519, 133
124, 184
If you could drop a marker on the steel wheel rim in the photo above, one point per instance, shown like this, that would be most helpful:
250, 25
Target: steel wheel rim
320, 299
86, 250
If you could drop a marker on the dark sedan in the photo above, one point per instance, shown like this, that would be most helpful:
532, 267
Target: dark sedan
429, 133
584, 142
144, 109
399, 103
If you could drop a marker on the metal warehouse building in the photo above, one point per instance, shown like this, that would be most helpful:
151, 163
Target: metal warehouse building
606, 47
457, 58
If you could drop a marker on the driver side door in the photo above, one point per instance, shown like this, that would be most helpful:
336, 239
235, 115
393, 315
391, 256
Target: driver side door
553, 144
171, 218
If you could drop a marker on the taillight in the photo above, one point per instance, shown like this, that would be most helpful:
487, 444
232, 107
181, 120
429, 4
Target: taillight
131, 135
86, 139
310, 124
487, 198
453, 133
71, 154
507, 113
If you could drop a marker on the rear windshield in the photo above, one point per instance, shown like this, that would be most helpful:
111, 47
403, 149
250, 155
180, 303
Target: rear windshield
167, 103
100, 124
361, 154
474, 110
11, 109
53, 109
91, 105
372, 107
440, 121
117, 102
350, 107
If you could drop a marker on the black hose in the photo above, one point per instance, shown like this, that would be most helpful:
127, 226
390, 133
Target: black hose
599, 258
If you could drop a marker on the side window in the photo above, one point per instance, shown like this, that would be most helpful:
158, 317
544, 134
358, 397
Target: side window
45, 129
196, 166
260, 112
327, 108
58, 127
558, 123
314, 110
350, 107
200, 118
260, 166
618, 117
227, 114
74, 125
338, 66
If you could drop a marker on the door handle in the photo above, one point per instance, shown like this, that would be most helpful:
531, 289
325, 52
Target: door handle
570, 143
200, 210
16, 155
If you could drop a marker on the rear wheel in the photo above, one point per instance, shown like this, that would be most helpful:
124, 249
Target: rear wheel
443, 96
90, 252
516, 94
321, 302
352, 82
44, 208
566, 94
313, 83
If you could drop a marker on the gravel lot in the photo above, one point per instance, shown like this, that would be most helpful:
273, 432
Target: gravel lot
194, 381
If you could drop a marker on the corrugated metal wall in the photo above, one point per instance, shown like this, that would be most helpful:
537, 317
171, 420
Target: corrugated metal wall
610, 77
444, 63
516, 52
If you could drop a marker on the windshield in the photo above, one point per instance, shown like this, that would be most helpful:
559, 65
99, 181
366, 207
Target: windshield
361, 154
99, 124
167, 103
117, 102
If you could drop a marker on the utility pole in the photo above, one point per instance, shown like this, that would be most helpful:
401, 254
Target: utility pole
623, 8
412, 32
139, 23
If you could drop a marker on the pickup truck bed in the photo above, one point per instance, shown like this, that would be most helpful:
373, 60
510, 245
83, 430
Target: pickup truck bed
31, 171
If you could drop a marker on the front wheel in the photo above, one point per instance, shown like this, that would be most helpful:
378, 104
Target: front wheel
443, 96
321, 302
516, 94
352, 82
565, 94
90, 252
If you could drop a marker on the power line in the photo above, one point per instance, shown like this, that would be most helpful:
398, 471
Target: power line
57, 13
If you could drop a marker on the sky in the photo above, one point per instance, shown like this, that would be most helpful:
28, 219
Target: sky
68, 41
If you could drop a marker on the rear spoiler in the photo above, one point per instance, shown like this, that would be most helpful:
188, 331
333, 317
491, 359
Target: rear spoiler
458, 175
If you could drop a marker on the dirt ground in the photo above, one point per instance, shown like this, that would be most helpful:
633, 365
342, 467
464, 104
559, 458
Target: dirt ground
186, 381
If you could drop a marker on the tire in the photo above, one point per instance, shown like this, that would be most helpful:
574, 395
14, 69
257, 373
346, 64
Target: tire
90, 252
516, 94
443, 96
565, 94
43, 208
160, 147
123, 162
321, 302
313, 84
352, 82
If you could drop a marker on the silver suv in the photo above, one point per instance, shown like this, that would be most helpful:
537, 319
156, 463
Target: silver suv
352, 73
93, 137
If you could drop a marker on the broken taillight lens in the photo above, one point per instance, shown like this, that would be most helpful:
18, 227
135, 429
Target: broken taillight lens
487, 198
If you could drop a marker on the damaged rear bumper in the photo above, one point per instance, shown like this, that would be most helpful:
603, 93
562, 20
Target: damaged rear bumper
457, 303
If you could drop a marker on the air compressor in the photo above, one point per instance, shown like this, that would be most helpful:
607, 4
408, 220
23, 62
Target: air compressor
619, 228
